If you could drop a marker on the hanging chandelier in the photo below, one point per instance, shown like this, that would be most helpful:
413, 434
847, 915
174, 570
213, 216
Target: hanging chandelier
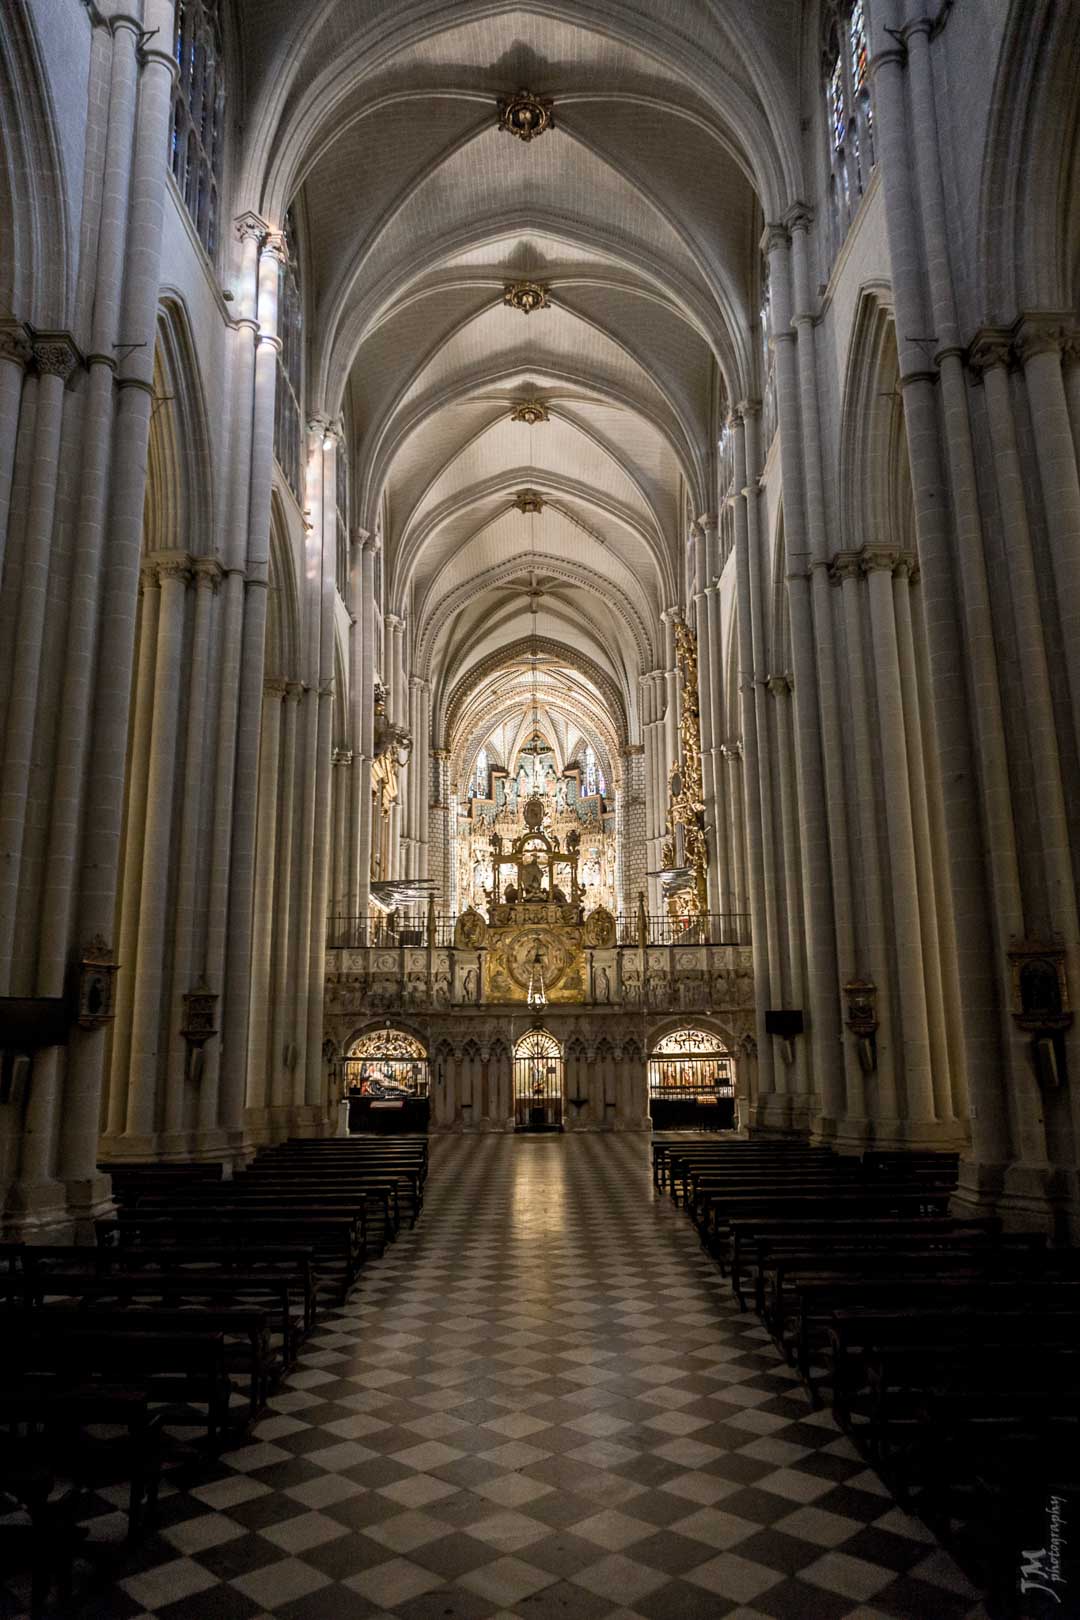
537, 993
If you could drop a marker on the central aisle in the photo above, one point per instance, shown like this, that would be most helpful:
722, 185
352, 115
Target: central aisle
541, 1403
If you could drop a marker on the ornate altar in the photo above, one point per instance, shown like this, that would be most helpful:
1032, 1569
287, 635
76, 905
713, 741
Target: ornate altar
570, 805
685, 845
537, 927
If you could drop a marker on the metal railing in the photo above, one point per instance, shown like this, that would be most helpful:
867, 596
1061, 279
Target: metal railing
393, 933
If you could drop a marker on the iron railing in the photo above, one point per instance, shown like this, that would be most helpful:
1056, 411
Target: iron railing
393, 932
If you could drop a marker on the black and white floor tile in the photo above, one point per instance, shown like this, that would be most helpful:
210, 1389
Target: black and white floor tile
541, 1403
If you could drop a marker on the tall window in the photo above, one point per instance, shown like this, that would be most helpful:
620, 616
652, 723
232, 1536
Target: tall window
480, 786
768, 368
198, 123
287, 413
594, 776
849, 115
342, 505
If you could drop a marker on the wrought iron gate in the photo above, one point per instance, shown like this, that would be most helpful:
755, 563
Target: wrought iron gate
538, 1082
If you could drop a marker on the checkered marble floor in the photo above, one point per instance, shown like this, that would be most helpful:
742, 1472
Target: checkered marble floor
541, 1403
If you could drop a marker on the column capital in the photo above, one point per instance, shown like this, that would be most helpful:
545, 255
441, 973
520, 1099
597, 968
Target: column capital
1040, 334
709, 520
294, 690
990, 347
394, 621
274, 246
732, 750
249, 227
775, 236
56, 354
275, 686
173, 565
15, 343
342, 756
672, 614
779, 685
874, 559
844, 565
372, 542
799, 217
208, 573
745, 408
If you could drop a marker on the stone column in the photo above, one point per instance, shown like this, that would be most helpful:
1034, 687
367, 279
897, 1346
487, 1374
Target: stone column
670, 709
55, 357
351, 893
342, 776
878, 565
103, 797
731, 753
254, 277
822, 981
779, 687
207, 575
15, 354
705, 713
873, 959
282, 1013
133, 843
986, 1034
237, 986
260, 1065
146, 1016
746, 482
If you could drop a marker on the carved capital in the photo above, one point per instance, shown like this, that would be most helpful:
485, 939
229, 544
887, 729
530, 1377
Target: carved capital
799, 217
274, 246
342, 756
529, 500
774, 236
845, 565
208, 573
779, 685
746, 408
275, 686
250, 228
988, 348
173, 565
55, 354
879, 559
15, 343
294, 690
1040, 334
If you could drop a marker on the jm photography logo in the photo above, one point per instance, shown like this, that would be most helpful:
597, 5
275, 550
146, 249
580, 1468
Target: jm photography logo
1048, 1580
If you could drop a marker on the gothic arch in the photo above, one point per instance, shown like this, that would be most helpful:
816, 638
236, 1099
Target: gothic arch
35, 259
873, 448
179, 498
283, 608
1029, 208
521, 649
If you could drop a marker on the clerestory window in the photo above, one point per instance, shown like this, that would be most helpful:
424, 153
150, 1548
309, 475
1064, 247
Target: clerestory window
287, 411
198, 122
849, 115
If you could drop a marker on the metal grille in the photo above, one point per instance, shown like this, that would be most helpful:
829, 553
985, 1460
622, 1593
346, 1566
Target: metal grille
690, 1078
538, 1082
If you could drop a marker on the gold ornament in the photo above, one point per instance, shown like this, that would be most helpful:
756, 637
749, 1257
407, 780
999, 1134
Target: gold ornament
526, 115
530, 411
526, 296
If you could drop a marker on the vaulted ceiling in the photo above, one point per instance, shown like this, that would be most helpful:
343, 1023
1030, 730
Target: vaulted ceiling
638, 212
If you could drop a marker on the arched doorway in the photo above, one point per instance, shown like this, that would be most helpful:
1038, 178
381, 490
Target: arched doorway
538, 1082
387, 1080
692, 1081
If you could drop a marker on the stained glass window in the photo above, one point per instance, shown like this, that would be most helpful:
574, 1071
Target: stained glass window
481, 783
198, 105
287, 412
837, 109
859, 54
